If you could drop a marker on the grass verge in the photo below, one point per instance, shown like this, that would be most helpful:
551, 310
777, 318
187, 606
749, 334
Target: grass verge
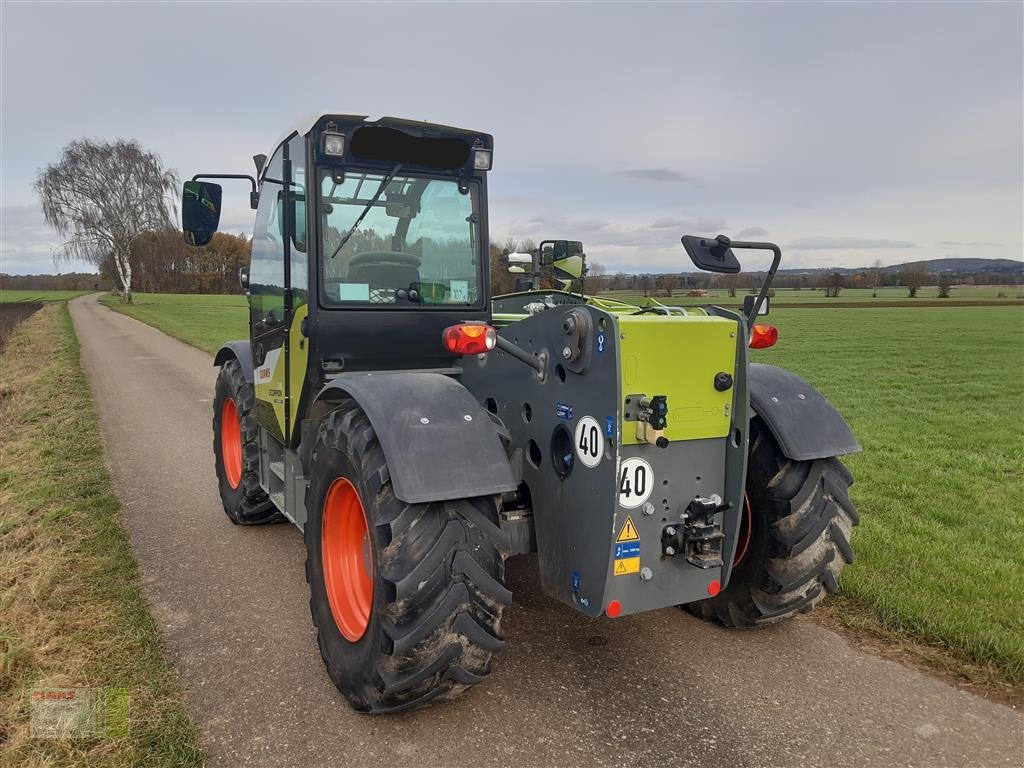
72, 611
936, 397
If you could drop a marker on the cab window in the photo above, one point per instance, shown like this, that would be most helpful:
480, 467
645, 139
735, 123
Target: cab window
408, 240
266, 269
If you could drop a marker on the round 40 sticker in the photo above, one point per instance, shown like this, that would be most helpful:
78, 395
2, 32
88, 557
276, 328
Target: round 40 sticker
636, 481
589, 441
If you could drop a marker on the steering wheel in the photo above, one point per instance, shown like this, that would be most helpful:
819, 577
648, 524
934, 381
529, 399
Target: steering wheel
389, 257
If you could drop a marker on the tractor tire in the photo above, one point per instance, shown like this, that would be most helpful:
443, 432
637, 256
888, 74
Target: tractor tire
795, 540
236, 451
406, 598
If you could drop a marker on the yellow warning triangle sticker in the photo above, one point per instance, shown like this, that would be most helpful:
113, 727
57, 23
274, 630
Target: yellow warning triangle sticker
628, 532
620, 568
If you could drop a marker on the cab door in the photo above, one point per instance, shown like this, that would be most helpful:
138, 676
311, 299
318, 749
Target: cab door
278, 256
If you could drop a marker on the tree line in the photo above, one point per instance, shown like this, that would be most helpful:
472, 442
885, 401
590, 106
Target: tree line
114, 203
161, 262
912, 277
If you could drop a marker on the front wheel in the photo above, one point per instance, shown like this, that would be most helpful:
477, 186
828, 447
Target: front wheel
236, 450
794, 538
406, 598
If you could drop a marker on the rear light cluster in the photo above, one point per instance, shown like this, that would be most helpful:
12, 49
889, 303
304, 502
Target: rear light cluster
763, 336
469, 338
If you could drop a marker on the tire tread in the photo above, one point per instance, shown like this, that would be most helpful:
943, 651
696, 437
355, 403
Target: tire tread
807, 515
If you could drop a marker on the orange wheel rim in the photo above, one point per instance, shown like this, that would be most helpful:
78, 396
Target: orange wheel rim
231, 442
746, 530
347, 559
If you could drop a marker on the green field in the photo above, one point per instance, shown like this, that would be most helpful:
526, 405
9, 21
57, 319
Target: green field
936, 397
973, 293
203, 321
7, 296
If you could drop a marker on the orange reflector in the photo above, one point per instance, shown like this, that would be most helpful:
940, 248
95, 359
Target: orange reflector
714, 587
763, 336
614, 609
469, 338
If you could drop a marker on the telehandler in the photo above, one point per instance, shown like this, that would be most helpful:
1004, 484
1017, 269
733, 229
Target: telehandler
420, 432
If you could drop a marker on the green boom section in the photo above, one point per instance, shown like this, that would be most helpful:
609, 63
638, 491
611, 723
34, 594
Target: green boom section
679, 357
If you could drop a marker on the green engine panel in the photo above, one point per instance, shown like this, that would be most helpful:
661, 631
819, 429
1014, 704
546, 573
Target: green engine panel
679, 357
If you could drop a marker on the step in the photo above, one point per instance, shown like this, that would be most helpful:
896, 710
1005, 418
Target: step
278, 498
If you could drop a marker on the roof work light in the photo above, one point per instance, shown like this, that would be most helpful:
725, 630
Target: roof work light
334, 144
481, 159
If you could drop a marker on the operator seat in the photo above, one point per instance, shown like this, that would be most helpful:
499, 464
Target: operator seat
384, 275
385, 269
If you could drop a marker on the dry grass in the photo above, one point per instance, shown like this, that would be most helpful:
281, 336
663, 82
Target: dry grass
72, 613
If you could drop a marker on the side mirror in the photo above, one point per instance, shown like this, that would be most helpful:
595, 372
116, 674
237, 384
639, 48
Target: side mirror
200, 211
243, 278
751, 299
520, 263
711, 254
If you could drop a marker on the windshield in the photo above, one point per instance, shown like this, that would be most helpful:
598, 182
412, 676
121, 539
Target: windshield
416, 244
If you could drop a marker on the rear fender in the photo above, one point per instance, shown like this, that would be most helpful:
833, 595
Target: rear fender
440, 444
805, 425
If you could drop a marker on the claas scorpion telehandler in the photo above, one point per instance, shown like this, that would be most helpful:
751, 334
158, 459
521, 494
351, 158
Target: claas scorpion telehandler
419, 431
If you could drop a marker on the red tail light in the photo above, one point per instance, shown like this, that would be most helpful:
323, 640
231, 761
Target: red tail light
763, 336
469, 338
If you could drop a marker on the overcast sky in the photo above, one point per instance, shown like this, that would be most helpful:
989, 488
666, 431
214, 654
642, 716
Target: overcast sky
846, 133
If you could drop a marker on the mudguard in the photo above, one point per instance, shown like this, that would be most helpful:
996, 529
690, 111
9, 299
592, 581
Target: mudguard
803, 422
439, 442
242, 351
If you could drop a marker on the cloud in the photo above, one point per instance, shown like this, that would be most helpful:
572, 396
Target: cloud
25, 232
845, 243
701, 224
752, 232
659, 174
976, 243
28, 243
519, 200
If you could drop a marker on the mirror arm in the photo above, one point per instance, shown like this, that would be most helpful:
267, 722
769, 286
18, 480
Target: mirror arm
769, 278
254, 195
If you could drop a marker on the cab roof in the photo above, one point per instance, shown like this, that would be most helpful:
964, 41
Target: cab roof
305, 124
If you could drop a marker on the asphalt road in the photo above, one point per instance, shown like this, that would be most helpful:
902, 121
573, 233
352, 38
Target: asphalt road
655, 689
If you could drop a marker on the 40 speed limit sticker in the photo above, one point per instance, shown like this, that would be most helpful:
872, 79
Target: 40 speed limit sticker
636, 481
589, 441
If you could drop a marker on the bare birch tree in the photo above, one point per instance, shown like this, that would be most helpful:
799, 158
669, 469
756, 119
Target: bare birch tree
101, 196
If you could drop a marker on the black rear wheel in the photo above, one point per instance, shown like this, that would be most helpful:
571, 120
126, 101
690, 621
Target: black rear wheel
406, 598
236, 450
794, 538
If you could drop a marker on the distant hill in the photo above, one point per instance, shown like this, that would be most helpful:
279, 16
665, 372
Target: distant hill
953, 265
